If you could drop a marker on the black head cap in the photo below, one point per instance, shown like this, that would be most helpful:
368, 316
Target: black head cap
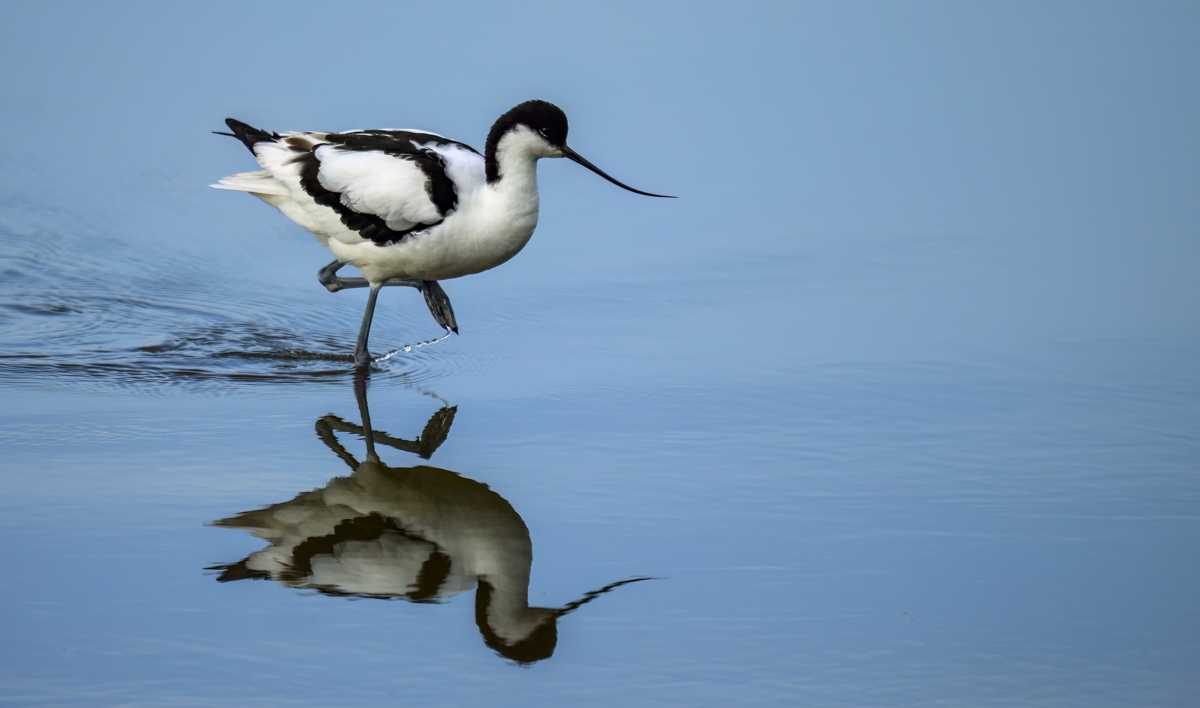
542, 117
547, 120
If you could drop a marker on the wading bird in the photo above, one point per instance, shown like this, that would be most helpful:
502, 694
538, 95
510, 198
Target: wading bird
407, 207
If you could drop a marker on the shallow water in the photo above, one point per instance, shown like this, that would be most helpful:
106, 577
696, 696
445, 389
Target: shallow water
899, 410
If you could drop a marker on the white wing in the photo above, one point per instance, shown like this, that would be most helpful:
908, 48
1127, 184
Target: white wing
379, 185
393, 188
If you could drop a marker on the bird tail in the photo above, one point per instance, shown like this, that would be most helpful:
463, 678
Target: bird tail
249, 136
257, 183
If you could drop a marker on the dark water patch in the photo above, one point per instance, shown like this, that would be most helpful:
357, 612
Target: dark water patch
212, 356
137, 377
109, 316
40, 310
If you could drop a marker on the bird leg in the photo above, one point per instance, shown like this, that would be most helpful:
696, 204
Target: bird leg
362, 358
435, 298
329, 278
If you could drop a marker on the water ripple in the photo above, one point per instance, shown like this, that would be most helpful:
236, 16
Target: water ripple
114, 318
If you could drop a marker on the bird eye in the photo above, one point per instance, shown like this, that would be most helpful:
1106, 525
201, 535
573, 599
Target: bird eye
545, 133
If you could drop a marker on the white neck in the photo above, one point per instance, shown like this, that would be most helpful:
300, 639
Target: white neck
517, 154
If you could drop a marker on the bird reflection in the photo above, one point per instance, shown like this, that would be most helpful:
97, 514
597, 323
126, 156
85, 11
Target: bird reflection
419, 533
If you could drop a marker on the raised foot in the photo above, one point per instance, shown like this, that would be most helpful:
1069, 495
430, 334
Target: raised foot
328, 277
439, 304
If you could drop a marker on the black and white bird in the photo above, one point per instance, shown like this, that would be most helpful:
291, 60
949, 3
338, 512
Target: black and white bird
408, 207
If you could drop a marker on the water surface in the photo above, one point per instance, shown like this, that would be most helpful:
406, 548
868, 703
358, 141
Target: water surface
897, 405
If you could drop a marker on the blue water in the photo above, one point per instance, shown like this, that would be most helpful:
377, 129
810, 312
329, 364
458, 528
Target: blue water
896, 405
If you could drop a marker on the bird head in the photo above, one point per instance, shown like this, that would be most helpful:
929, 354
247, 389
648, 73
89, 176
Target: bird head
539, 129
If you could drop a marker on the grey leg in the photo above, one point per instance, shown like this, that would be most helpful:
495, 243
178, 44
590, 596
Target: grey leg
362, 358
329, 278
435, 299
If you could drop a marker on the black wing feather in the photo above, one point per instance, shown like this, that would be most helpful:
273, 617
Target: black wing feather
403, 144
368, 226
397, 143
